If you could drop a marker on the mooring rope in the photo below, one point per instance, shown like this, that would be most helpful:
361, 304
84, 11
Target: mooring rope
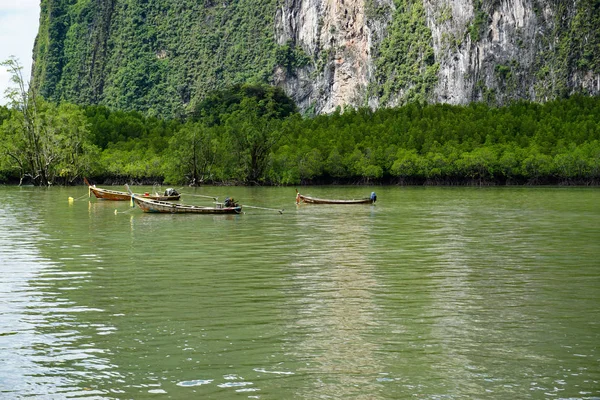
280, 211
77, 199
124, 212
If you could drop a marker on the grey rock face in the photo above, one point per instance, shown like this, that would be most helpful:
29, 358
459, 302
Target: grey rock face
493, 51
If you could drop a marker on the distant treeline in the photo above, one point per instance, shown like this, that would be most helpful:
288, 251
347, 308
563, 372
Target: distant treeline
254, 135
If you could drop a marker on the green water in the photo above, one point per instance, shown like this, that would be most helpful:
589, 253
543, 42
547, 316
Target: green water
434, 293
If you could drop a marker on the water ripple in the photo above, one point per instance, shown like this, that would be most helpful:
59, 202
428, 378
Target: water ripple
432, 293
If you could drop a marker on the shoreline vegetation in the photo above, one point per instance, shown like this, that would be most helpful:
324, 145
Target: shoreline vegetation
254, 135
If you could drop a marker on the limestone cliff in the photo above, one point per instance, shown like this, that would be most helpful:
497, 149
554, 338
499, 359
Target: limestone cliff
336, 36
493, 51
161, 58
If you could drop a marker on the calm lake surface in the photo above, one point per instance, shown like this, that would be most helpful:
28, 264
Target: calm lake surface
433, 293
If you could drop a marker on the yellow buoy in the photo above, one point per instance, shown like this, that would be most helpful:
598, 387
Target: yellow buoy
70, 200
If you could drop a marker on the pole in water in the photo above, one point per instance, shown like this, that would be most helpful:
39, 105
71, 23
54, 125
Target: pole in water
70, 200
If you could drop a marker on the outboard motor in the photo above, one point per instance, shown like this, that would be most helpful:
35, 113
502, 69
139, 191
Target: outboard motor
171, 192
373, 197
230, 202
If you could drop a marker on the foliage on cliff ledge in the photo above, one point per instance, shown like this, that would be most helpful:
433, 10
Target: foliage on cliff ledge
406, 62
151, 56
573, 44
163, 57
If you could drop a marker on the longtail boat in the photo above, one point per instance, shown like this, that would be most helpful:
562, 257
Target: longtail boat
157, 206
108, 194
313, 200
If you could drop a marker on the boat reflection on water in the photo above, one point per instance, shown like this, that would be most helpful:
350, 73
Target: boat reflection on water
332, 298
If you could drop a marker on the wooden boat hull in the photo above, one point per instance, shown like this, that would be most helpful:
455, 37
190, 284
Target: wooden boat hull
115, 195
157, 206
313, 200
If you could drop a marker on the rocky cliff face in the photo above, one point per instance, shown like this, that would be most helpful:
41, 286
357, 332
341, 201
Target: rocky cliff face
336, 36
493, 51
325, 53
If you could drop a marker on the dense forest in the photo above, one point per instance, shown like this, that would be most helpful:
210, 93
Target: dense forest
253, 134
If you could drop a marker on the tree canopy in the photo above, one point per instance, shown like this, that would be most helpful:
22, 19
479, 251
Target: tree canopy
252, 134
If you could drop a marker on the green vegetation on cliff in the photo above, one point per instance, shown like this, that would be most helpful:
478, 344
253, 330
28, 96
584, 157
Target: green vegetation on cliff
151, 56
162, 58
405, 61
573, 44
